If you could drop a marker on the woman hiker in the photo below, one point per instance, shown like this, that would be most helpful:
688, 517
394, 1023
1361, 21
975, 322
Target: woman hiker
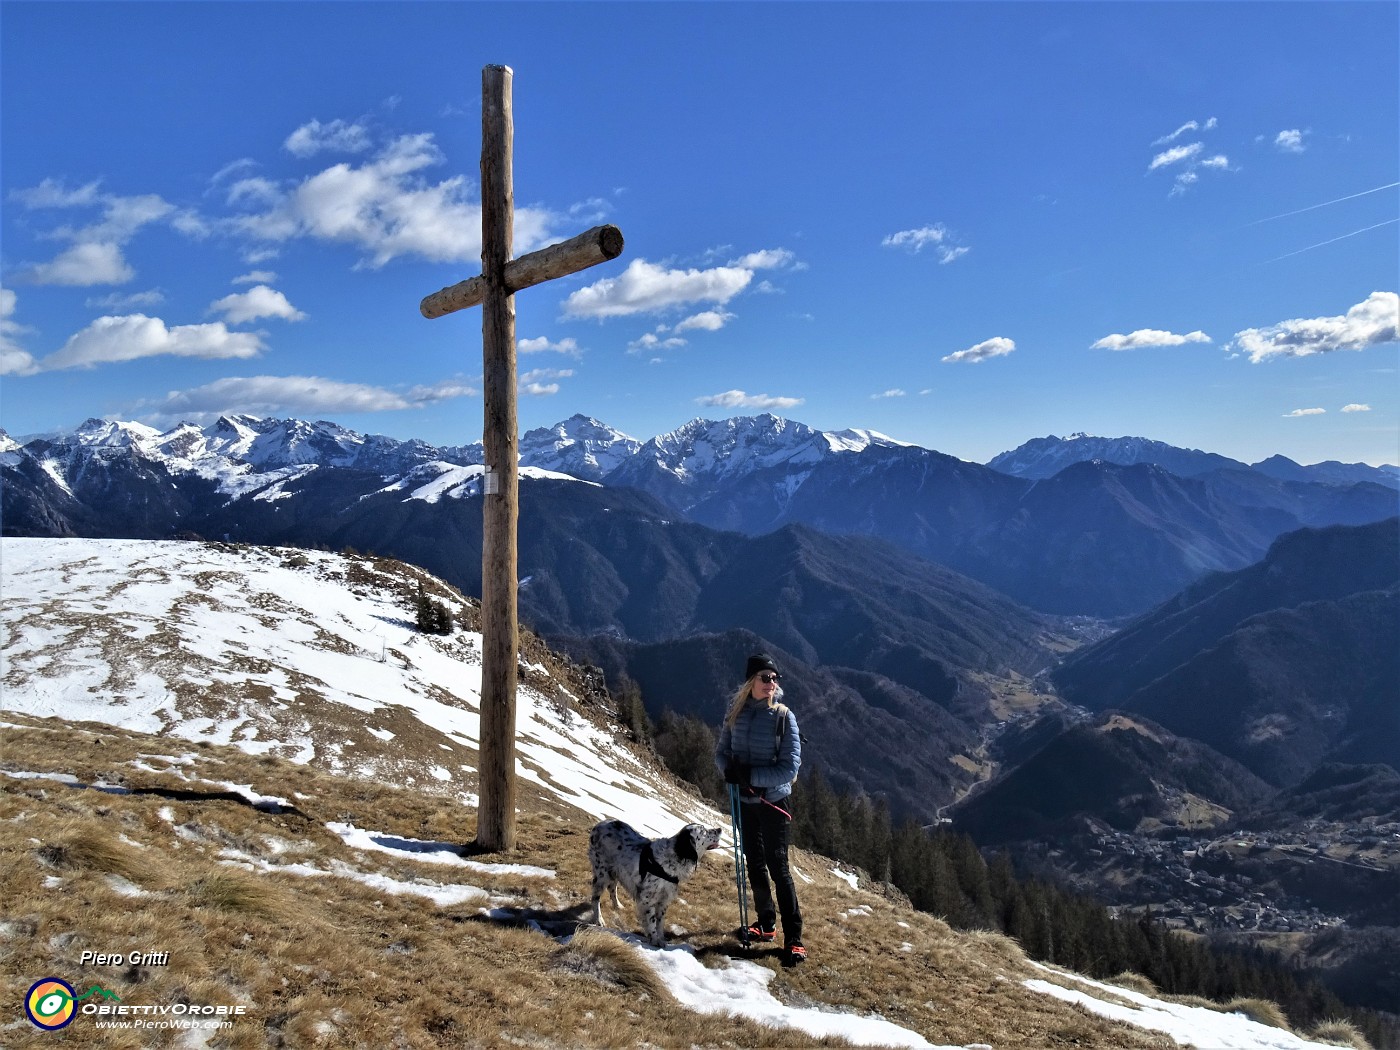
760, 751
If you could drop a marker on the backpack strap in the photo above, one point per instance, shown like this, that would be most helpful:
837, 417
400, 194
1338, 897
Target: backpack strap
780, 725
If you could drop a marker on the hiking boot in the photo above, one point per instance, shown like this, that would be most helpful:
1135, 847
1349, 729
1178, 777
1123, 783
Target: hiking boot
758, 933
796, 953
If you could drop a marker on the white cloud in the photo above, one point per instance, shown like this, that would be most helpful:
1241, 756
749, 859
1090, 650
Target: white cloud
1175, 155
535, 375
1189, 159
112, 339
231, 169
338, 136
766, 259
256, 302
705, 321
290, 395
1304, 412
121, 218
1373, 322
1356, 408
385, 207
595, 209
118, 301
81, 266
13, 359
995, 347
443, 390
1190, 125
1290, 141
254, 190
255, 277
542, 343
937, 236
1145, 337
645, 287
650, 341
888, 393
95, 253
540, 381
1183, 183
52, 193
739, 399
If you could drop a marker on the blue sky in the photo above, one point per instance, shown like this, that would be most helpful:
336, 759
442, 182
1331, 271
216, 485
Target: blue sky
961, 224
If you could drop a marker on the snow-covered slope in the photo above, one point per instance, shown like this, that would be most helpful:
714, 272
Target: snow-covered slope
307, 655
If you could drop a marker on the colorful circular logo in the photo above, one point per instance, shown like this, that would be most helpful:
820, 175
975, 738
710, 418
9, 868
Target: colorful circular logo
49, 1003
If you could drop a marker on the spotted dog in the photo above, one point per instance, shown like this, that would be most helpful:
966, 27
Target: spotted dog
650, 870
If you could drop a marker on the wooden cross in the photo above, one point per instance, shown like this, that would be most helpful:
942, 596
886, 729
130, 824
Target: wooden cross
501, 277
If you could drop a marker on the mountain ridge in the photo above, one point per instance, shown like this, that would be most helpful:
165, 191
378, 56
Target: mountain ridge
1096, 538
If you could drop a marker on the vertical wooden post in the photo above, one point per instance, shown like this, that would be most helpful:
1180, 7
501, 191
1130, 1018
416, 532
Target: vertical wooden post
500, 641
494, 288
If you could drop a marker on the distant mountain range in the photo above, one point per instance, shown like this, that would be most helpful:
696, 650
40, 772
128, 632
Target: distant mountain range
1284, 665
1045, 457
1110, 534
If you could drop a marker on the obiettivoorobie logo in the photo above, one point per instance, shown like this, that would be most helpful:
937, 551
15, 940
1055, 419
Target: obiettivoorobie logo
49, 1003
52, 1003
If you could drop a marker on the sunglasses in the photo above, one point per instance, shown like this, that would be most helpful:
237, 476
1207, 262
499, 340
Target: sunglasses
769, 678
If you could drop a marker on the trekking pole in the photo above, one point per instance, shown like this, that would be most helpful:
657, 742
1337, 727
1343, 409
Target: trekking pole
741, 875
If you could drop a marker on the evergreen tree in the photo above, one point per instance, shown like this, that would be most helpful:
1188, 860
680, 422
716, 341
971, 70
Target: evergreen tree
687, 747
634, 714
423, 611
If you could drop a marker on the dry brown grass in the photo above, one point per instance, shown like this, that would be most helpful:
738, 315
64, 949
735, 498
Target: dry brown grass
1339, 1032
1263, 1011
1135, 982
323, 960
611, 962
82, 844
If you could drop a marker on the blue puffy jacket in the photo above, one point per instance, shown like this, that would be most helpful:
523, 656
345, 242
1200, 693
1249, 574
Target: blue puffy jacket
766, 739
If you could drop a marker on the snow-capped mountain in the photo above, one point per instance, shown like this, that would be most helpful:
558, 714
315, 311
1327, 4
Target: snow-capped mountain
1045, 457
692, 463
292, 481
580, 446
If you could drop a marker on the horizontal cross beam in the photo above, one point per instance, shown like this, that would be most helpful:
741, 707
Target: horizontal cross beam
595, 246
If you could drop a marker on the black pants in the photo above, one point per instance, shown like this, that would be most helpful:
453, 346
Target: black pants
765, 833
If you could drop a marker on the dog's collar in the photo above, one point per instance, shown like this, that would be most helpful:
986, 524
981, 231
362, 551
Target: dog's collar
650, 867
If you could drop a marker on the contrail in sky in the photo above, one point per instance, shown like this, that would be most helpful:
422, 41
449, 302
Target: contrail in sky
1343, 237
1324, 204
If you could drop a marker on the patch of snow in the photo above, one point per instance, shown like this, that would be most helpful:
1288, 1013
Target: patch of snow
1188, 1025
126, 888
741, 990
849, 877
420, 849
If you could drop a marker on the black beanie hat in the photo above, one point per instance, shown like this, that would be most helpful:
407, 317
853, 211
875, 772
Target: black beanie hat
759, 662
